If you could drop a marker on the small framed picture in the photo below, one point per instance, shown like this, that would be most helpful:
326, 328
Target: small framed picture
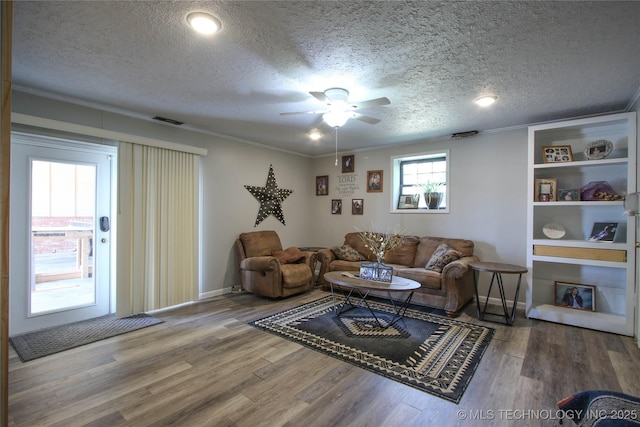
576, 296
603, 232
545, 190
336, 207
408, 201
557, 154
598, 149
568, 195
348, 164
322, 185
374, 181
357, 207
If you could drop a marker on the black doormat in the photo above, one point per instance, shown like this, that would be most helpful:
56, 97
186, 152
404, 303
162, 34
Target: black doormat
44, 342
424, 350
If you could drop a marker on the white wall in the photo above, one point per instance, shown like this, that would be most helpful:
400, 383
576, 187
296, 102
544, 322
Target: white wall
228, 208
488, 178
487, 190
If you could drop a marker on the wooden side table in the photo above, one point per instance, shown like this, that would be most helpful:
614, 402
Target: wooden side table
497, 270
314, 249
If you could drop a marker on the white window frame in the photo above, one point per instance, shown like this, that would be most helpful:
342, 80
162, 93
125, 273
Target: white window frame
395, 181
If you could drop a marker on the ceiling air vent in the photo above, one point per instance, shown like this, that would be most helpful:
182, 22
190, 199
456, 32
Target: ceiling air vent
464, 134
170, 121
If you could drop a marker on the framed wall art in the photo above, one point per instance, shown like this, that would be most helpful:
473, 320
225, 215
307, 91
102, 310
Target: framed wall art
357, 207
348, 164
322, 185
557, 154
336, 207
545, 190
374, 181
576, 296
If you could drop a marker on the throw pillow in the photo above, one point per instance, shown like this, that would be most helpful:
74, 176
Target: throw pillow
347, 253
443, 255
289, 255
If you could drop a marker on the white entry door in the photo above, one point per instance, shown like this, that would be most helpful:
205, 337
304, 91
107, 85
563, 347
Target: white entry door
60, 219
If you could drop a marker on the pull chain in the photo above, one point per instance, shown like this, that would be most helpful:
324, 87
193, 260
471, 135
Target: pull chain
336, 164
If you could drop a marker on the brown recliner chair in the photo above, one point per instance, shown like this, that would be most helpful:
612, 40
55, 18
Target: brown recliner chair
268, 270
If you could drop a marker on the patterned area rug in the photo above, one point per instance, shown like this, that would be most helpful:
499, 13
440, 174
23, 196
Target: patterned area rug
44, 342
427, 351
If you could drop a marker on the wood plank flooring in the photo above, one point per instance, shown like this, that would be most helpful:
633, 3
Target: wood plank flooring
206, 367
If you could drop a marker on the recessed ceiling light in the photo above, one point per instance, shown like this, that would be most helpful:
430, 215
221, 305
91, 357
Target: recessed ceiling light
315, 134
204, 23
485, 101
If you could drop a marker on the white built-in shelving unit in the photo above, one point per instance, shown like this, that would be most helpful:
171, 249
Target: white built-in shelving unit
609, 266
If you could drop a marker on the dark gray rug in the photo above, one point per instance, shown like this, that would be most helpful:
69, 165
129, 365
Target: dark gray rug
44, 342
425, 350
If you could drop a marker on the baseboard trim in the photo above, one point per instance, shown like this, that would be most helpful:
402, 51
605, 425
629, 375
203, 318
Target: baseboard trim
216, 293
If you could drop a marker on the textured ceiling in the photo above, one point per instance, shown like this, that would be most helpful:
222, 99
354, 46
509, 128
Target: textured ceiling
544, 60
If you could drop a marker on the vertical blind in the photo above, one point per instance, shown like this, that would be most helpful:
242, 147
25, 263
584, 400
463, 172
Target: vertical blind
158, 248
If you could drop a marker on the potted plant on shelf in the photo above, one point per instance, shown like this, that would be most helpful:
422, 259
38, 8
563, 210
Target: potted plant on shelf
432, 196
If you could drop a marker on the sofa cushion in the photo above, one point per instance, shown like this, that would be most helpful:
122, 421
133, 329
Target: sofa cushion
342, 265
347, 253
405, 253
427, 278
294, 275
355, 241
443, 255
289, 255
428, 246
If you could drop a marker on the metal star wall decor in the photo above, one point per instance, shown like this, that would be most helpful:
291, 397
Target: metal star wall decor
270, 198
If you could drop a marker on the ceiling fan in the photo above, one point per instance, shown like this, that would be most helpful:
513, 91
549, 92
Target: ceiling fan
339, 109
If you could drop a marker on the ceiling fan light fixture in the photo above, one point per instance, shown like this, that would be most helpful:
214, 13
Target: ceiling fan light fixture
204, 23
485, 101
337, 95
335, 119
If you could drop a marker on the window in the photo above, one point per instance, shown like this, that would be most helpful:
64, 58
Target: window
410, 172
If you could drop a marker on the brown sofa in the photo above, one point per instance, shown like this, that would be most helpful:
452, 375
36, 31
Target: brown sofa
449, 289
268, 270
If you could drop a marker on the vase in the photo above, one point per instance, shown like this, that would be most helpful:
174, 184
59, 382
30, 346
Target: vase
433, 200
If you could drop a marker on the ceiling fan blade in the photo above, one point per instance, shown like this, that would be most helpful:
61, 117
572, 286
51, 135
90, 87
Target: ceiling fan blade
320, 96
372, 103
303, 112
366, 119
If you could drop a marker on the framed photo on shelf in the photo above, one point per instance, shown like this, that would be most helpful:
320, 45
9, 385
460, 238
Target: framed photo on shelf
604, 232
545, 190
336, 207
348, 164
568, 195
374, 181
557, 154
322, 185
408, 201
357, 207
575, 296
598, 150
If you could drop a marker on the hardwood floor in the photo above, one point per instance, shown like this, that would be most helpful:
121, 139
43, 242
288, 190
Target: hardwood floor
206, 367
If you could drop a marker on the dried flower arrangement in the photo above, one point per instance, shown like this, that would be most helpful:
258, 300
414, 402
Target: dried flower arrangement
379, 243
